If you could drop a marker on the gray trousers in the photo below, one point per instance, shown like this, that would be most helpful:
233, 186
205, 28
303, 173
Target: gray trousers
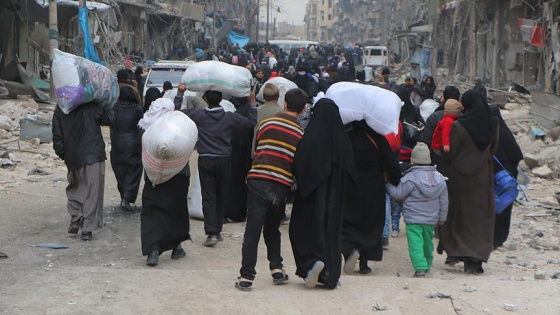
85, 192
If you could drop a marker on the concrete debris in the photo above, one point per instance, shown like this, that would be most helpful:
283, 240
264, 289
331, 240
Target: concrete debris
531, 161
5, 123
439, 295
35, 143
510, 307
554, 133
378, 308
546, 242
543, 172
38, 171
539, 275
556, 275
513, 246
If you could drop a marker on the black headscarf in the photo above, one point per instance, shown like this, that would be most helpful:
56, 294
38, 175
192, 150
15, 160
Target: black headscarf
126, 94
152, 94
324, 143
478, 121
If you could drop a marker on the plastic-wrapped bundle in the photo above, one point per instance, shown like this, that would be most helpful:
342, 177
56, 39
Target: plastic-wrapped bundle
283, 85
218, 76
78, 81
167, 146
380, 108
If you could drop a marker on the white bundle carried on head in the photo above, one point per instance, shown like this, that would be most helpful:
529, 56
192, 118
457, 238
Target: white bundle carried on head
167, 146
79, 81
158, 107
283, 85
218, 76
380, 108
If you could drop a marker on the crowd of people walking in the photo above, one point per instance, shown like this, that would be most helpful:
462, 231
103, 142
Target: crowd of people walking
349, 184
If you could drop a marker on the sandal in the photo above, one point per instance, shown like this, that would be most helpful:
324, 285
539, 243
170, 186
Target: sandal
244, 284
279, 276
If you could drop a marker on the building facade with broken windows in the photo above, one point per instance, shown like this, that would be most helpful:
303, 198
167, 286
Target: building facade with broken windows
500, 41
153, 29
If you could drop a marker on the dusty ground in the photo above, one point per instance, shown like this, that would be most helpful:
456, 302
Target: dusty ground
108, 275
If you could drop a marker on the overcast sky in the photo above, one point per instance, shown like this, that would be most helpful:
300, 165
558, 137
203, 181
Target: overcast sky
292, 11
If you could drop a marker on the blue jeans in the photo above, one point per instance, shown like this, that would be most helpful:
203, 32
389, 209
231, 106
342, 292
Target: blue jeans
387, 216
396, 210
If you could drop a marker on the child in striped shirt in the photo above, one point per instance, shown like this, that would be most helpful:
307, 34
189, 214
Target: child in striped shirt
268, 184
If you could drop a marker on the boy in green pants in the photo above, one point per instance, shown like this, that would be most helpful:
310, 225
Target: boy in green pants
424, 195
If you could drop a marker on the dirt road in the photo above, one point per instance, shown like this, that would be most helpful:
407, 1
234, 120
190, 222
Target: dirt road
109, 276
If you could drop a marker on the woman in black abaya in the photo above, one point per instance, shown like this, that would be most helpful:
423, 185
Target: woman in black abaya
364, 218
324, 170
126, 148
164, 221
509, 154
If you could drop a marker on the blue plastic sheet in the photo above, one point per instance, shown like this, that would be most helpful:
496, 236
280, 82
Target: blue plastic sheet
89, 50
235, 38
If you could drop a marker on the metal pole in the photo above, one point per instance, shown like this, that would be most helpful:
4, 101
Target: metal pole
267, 18
258, 14
214, 28
53, 39
53, 27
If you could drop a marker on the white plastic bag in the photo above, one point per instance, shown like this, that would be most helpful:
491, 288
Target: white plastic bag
218, 76
380, 108
368, 74
195, 203
167, 145
427, 108
283, 85
78, 81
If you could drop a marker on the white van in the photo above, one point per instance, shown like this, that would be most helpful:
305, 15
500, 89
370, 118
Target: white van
166, 70
286, 45
375, 56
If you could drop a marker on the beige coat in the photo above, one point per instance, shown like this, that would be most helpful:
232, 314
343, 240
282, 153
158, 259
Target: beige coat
267, 110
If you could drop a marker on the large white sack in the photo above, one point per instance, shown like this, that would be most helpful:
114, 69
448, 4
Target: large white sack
218, 76
195, 203
283, 85
380, 108
78, 81
368, 74
167, 145
427, 108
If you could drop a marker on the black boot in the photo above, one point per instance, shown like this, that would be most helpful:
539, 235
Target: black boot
153, 259
364, 269
178, 253
125, 205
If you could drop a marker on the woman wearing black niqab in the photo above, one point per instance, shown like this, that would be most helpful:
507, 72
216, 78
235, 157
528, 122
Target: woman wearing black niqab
467, 235
509, 154
126, 146
324, 169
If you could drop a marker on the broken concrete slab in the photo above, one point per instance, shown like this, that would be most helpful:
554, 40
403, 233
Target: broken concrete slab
543, 172
35, 128
531, 160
